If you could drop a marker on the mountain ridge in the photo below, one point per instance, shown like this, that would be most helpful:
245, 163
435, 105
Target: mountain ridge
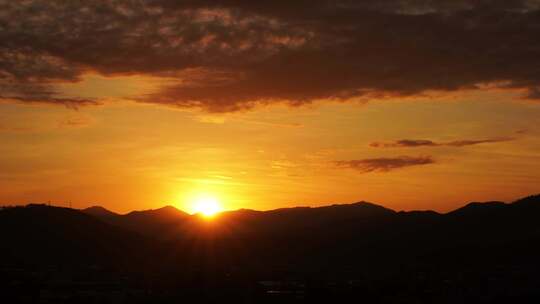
470, 205
363, 242
169, 223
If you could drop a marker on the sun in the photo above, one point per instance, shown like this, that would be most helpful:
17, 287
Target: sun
206, 205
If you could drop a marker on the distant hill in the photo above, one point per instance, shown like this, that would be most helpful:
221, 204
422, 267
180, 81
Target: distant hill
478, 208
154, 222
100, 212
44, 234
170, 223
352, 234
478, 245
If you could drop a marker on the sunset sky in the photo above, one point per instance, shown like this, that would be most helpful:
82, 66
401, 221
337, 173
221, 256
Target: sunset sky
268, 104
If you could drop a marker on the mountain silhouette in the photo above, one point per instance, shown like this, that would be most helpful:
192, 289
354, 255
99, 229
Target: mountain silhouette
153, 222
478, 208
43, 234
336, 220
406, 253
100, 212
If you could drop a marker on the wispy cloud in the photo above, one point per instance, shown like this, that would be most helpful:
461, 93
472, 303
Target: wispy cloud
462, 143
74, 122
384, 164
5, 128
404, 143
413, 143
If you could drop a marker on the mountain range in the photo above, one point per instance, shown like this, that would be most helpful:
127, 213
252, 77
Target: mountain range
350, 241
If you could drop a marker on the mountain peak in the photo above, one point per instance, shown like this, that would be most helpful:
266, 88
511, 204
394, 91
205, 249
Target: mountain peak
99, 211
371, 205
528, 205
168, 208
532, 199
478, 207
166, 211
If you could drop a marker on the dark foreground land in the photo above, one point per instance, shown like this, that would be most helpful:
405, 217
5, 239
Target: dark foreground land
481, 253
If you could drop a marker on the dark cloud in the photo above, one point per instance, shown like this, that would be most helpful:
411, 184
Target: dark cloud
534, 93
462, 143
27, 76
384, 164
412, 143
28, 98
404, 143
230, 55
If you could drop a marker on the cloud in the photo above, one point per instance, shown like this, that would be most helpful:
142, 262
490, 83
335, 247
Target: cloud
462, 143
413, 143
74, 122
534, 93
231, 55
5, 128
384, 164
404, 143
31, 92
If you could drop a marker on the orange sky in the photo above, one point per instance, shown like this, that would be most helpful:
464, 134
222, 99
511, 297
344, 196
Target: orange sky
128, 156
139, 104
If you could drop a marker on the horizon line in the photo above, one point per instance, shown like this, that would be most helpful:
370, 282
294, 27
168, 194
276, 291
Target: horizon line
51, 204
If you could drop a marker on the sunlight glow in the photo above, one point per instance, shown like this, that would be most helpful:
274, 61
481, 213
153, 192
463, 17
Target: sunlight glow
206, 205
